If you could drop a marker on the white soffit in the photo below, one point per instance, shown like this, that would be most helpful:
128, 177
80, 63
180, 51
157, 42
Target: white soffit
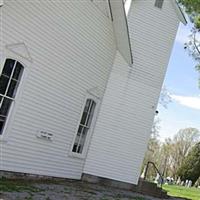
20, 49
1, 3
121, 29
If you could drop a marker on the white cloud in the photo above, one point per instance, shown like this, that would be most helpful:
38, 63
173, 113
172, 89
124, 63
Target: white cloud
182, 34
188, 101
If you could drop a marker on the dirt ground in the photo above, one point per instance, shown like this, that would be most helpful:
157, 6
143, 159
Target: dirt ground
63, 190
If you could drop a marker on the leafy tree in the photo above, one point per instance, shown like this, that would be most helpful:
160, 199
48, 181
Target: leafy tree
185, 139
190, 169
169, 155
152, 153
165, 97
192, 7
180, 146
165, 157
154, 145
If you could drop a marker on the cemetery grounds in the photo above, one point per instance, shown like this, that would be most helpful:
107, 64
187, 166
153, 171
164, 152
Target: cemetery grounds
181, 191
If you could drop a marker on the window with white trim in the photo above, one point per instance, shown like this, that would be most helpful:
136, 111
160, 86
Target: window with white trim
9, 81
159, 3
84, 126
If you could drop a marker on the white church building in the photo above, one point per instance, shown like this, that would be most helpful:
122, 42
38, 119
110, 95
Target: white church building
80, 82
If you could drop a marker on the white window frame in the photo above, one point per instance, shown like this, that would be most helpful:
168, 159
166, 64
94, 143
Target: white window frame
13, 99
90, 131
10, 117
27, 62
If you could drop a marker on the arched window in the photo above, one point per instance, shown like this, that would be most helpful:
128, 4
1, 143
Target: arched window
9, 81
84, 126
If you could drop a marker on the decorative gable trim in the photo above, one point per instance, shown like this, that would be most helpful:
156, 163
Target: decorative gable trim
121, 30
1, 3
20, 49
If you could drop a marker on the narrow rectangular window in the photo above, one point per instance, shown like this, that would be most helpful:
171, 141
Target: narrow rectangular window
9, 81
159, 3
84, 126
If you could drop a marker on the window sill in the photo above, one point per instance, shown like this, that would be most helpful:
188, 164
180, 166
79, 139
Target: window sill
76, 155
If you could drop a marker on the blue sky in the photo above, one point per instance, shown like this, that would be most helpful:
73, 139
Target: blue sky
182, 82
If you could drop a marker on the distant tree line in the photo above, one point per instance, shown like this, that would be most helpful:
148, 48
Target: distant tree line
190, 168
176, 157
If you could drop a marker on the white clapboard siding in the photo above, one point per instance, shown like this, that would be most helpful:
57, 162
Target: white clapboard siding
126, 116
72, 47
103, 6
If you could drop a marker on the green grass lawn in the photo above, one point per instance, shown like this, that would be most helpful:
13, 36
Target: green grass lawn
180, 191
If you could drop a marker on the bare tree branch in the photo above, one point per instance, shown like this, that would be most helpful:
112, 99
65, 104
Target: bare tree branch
195, 44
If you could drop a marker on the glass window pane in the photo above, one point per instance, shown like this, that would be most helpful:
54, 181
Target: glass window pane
9, 64
85, 112
84, 126
82, 140
5, 106
2, 122
75, 147
12, 89
91, 113
84, 117
3, 84
18, 71
79, 130
1, 99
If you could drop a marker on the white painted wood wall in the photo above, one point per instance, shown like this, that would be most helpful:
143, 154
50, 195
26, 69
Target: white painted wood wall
124, 123
68, 48
72, 48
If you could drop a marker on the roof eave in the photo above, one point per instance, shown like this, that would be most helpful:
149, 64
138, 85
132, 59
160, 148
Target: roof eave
121, 31
179, 12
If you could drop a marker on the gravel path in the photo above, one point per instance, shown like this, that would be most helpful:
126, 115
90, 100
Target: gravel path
72, 190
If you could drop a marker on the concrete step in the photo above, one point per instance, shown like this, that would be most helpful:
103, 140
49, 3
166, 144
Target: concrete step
151, 189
